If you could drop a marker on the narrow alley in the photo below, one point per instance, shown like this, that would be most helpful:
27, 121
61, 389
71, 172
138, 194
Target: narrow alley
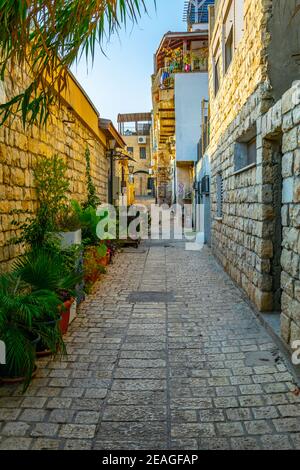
165, 354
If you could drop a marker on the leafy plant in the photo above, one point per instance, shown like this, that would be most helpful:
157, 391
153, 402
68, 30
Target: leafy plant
67, 220
51, 185
92, 198
44, 269
49, 36
92, 268
21, 307
89, 221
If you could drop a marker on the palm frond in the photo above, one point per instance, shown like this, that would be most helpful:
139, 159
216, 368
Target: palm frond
49, 36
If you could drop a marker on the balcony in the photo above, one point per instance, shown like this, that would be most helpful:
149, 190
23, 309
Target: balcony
165, 77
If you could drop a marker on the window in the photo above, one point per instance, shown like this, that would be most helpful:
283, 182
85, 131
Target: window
130, 150
219, 196
251, 151
245, 153
229, 49
217, 75
143, 153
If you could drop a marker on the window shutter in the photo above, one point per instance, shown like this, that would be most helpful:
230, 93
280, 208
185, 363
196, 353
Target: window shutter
220, 192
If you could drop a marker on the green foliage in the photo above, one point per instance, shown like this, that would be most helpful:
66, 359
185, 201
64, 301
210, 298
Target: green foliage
21, 307
51, 185
89, 220
92, 267
92, 199
48, 37
44, 269
102, 250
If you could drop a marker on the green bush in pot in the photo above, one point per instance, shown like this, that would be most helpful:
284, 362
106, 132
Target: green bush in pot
21, 307
49, 269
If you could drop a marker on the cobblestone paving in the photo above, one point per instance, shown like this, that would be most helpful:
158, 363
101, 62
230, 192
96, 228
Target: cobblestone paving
158, 376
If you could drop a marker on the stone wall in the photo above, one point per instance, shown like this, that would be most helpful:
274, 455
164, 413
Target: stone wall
284, 119
67, 135
247, 70
258, 237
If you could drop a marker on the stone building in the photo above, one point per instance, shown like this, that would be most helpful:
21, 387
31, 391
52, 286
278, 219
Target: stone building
253, 156
70, 129
135, 129
179, 83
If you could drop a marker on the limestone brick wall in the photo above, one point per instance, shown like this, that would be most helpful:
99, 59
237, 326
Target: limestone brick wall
66, 135
247, 70
258, 237
284, 118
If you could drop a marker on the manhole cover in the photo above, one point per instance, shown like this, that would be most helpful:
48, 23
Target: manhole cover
151, 297
261, 358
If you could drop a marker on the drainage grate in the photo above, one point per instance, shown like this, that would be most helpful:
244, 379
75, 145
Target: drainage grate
261, 358
151, 297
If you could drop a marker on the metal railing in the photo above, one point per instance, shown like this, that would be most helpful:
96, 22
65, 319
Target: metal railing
158, 82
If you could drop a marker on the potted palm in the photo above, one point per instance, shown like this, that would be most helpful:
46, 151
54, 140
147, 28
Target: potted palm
21, 307
46, 269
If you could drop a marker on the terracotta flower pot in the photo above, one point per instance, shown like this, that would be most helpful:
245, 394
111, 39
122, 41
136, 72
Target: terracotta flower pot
65, 316
105, 260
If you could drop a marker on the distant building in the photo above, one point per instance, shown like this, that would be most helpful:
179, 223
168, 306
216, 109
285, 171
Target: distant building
135, 129
179, 86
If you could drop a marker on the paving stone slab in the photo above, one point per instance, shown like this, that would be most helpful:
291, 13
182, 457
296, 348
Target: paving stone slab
173, 358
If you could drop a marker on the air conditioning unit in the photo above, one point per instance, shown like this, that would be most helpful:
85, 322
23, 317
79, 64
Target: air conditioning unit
142, 140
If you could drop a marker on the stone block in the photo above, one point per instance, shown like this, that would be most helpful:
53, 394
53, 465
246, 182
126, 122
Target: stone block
287, 123
295, 215
287, 284
296, 189
287, 190
287, 165
290, 140
264, 301
296, 115
288, 102
295, 331
290, 238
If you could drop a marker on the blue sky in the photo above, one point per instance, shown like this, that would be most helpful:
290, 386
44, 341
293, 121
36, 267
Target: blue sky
121, 81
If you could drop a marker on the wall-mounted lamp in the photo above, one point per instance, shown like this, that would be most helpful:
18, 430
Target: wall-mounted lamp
131, 169
112, 144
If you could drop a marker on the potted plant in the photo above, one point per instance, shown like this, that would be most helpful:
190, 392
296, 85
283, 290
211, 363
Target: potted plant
46, 269
21, 307
69, 228
92, 268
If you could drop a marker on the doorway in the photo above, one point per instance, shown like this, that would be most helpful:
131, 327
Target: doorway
272, 221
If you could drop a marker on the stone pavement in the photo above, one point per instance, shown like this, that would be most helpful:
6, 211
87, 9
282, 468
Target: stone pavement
190, 368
